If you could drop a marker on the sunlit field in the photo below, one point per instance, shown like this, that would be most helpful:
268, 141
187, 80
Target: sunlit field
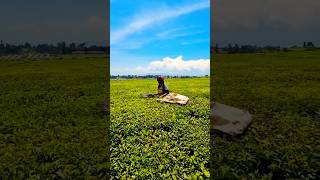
152, 140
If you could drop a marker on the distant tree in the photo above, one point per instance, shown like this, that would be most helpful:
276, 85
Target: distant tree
61, 47
72, 46
27, 45
236, 48
310, 45
81, 46
229, 47
216, 49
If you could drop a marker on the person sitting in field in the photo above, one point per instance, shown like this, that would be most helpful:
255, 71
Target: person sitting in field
162, 88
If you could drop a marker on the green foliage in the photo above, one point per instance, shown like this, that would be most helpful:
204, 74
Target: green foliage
153, 140
281, 90
50, 125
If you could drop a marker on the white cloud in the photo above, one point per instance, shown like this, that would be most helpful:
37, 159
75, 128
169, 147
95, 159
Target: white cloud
145, 20
177, 66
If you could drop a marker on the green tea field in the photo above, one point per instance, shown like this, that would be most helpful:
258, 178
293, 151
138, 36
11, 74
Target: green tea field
282, 91
51, 125
153, 140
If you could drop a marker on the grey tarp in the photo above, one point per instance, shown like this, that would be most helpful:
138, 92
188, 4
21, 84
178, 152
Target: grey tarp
174, 98
229, 120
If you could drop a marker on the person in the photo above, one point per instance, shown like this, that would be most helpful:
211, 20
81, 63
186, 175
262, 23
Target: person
162, 88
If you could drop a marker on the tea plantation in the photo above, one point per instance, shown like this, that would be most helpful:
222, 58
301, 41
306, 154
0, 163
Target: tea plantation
51, 125
153, 140
282, 91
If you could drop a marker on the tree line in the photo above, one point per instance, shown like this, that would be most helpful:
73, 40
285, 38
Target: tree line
235, 48
150, 76
58, 48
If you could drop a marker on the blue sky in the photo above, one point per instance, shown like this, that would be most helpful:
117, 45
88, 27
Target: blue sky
160, 37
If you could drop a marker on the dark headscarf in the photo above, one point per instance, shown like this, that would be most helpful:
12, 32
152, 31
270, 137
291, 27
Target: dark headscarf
160, 79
